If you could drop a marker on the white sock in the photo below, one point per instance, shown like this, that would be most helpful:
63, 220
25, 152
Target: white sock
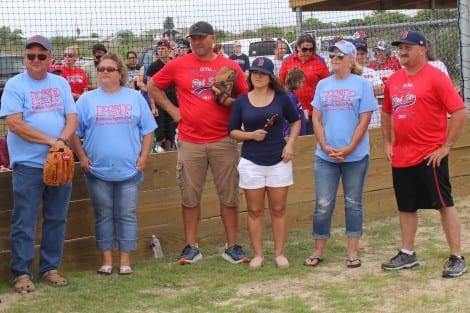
407, 251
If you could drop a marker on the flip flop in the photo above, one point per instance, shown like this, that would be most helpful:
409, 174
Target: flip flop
125, 270
105, 270
313, 258
353, 262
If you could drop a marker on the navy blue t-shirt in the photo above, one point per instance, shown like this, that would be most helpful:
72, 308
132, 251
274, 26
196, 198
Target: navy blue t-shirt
267, 152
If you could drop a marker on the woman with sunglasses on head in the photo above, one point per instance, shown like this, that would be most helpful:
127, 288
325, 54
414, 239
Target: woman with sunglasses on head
314, 68
117, 128
75, 76
342, 109
265, 168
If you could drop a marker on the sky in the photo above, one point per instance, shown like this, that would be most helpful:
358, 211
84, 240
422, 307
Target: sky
54, 18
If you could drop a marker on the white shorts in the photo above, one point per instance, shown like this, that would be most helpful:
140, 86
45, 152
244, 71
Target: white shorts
254, 176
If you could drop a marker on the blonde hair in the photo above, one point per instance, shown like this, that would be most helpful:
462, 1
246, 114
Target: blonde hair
356, 68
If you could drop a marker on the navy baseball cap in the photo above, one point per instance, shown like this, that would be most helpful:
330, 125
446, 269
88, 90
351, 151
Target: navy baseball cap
264, 65
412, 38
39, 40
359, 44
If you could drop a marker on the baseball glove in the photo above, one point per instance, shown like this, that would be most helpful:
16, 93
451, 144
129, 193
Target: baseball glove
59, 167
224, 81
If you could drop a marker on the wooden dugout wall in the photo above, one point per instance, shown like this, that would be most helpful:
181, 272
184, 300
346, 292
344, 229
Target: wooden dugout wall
159, 206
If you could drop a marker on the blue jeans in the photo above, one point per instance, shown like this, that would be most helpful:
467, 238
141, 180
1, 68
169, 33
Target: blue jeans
28, 191
327, 175
115, 204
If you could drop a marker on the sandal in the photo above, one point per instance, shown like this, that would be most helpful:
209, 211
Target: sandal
313, 260
105, 270
256, 263
125, 270
353, 262
23, 284
282, 262
53, 278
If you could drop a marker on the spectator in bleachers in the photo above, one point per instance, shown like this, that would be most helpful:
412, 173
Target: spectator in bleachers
433, 60
219, 49
280, 50
342, 109
165, 133
40, 113
133, 68
368, 73
183, 47
314, 68
75, 76
239, 57
98, 51
383, 58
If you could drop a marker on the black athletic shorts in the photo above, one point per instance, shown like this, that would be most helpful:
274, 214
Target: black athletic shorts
422, 187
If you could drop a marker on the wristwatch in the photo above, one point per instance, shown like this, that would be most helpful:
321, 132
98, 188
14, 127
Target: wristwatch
65, 141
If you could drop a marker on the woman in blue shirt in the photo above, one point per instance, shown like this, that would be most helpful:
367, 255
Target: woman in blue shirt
117, 128
265, 168
342, 109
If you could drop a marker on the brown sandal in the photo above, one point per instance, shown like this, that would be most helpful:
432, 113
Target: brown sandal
53, 278
23, 284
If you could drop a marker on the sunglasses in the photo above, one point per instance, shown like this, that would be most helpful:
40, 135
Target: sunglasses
32, 56
340, 55
108, 69
182, 47
69, 55
307, 49
98, 57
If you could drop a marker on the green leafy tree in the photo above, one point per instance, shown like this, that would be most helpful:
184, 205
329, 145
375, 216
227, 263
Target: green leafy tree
270, 31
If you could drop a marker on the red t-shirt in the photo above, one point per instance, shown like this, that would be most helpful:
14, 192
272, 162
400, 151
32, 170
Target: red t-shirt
76, 77
419, 104
391, 63
314, 69
202, 119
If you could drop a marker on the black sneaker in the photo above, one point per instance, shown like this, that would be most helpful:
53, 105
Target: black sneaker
235, 255
190, 255
454, 267
401, 261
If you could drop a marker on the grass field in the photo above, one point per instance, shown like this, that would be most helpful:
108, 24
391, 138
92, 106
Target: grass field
213, 285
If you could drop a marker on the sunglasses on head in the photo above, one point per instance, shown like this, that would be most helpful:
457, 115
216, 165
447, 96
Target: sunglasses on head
307, 49
32, 56
340, 55
69, 55
108, 69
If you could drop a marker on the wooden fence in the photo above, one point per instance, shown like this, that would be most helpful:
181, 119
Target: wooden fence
159, 206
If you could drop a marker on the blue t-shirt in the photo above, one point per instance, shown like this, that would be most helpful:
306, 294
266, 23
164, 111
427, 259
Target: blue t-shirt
341, 102
267, 152
112, 126
242, 60
44, 105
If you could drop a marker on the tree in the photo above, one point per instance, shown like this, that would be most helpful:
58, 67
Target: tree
270, 31
169, 28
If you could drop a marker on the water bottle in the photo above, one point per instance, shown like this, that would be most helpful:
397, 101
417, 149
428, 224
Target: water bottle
156, 247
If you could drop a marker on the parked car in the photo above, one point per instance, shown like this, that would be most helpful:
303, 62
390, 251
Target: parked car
145, 55
256, 47
10, 65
